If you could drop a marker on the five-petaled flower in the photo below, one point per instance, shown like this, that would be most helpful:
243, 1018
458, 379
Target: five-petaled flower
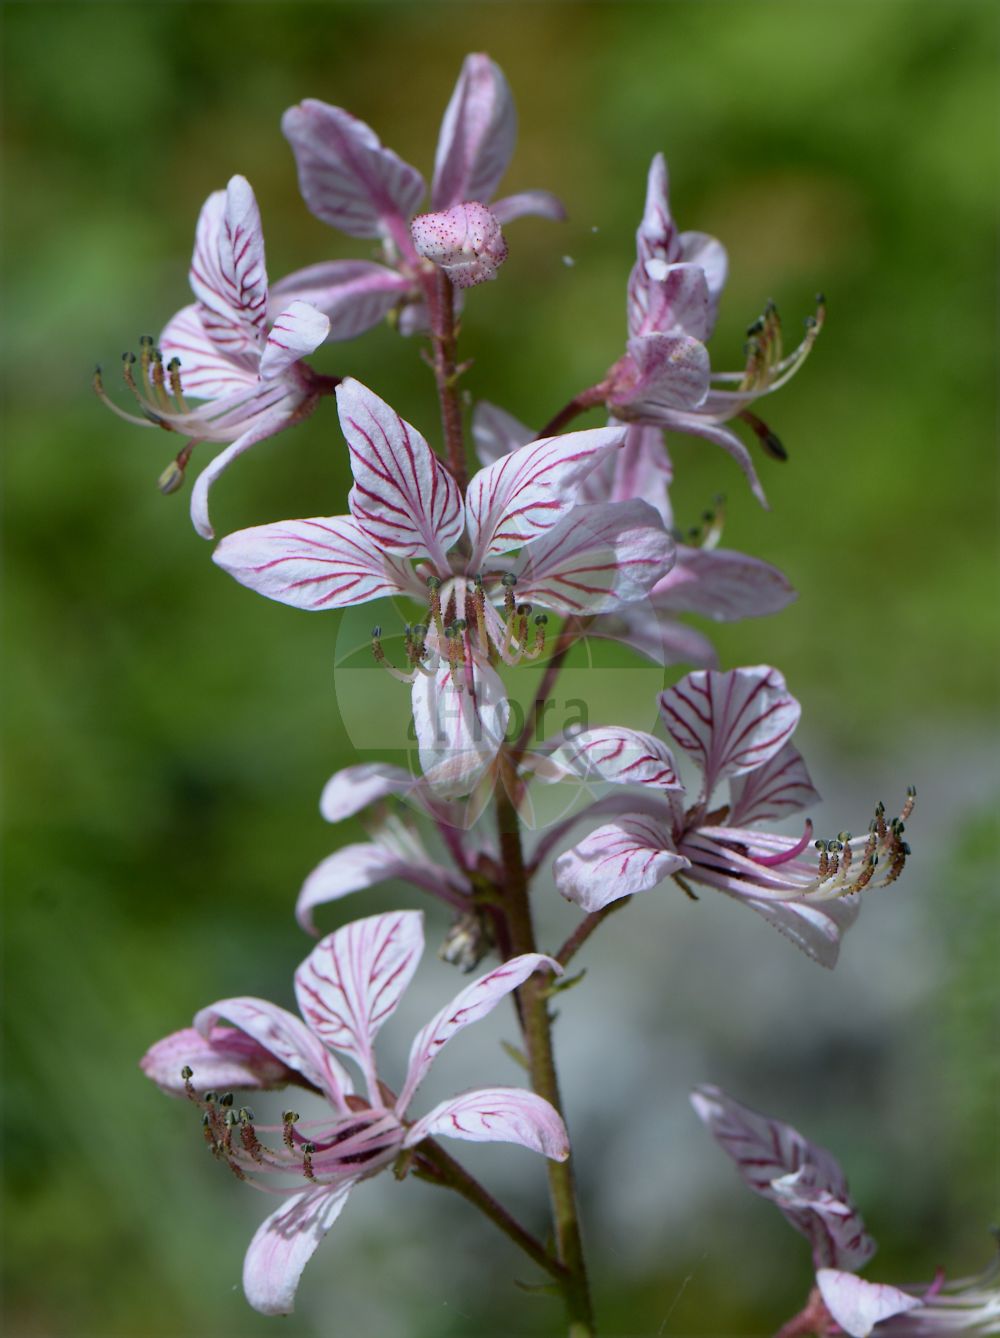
805, 1182
349, 180
347, 987
735, 726
665, 377
405, 506
221, 350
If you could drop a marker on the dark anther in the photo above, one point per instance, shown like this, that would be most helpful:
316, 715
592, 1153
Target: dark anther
376, 631
508, 580
187, 1072
541, 619
433, 583
226, 1099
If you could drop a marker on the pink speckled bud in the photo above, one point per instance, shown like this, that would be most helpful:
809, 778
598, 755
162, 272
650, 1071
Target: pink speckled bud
465, 241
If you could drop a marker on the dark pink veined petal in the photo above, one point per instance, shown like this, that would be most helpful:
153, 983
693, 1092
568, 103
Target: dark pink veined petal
352, 981
353, 868
497, 1115
656, 238
466, 241
327, 562
815, 927
354, 294
285, 1242
228, 275
349, 791
468, 1006
297, 331
459, 733
732, 722
640, 469
206, 372
668, 299
779, 787
661, 374
403, 497
284, 1035
259, 428
693, 425
722, 585
527, 203
857, 1305
595, 559
496, 433
522, 495
767, 1151
346, 177
617, 860
477, 135
619, 755
225, 1058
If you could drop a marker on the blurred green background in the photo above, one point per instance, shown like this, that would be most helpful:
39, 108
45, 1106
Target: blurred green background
168, 733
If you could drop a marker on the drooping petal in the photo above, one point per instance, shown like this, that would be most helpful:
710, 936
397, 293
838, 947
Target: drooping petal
346, 177
285, 1242
660, 638
469, 1005
857, 1305
225, 1058
720, 584
354, 294
619, 755
228, 275
497, 1115
617, 860
403, 497
522, 495
206, 372
767, 1151
297, 331
640, 469
694, 425
732, 722
496, 433
284, 1035
262, 426
540, 203
327, 562
465, 241
595, 559
351, 982
353, 868
459, 732
477, 135
660, 374
779, 787
668, 299
349, 791
815, 927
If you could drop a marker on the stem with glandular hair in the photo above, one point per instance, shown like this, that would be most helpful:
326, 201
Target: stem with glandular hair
441, 306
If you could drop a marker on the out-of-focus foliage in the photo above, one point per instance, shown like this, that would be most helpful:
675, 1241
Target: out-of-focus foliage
168, 733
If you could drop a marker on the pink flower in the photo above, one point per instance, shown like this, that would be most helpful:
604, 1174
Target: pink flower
465, 241
673, 296
347, 987
221, 351
404, 507
805, 1182
735, 726
714, 582
349, 180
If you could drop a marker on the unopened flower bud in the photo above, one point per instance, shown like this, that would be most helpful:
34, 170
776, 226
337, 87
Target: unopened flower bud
466, 241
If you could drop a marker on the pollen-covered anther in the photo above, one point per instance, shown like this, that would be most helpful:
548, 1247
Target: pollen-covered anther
289, 1119
844, 868
382, 660
307, 1155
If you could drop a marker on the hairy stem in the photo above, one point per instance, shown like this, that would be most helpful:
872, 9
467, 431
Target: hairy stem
441, 1169
441, 305
537, 1028
587, 399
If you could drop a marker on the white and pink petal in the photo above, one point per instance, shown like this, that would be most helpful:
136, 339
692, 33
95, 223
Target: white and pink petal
228, 274
497, 1115
403, 497
617, 860
223, 1059
618, 755
780, 787
731, 722
350, 790
347, 178
353, 294
476, 1001
857, 1305
285, 1242
325, 562
529, 203
525, 493
297, 331
477, 135
721, 585
206, 372
354, 868
495, 432
459, 730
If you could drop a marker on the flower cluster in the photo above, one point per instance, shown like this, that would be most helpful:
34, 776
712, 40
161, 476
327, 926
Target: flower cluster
558, 535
